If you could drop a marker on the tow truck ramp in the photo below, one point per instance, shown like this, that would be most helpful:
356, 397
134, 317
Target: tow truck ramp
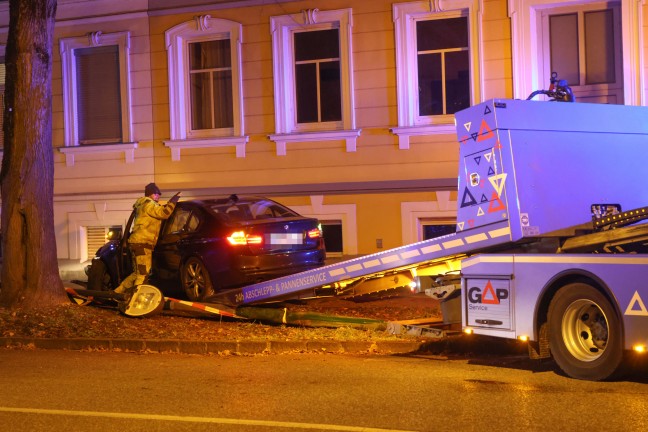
342, 276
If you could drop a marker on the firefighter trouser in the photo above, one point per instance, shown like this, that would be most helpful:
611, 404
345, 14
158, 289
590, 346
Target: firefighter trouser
142, 256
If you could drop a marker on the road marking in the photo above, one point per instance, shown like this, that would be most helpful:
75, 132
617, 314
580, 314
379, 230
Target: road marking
190, 419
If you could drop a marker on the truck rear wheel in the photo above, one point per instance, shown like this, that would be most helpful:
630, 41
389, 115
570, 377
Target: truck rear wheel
585, 336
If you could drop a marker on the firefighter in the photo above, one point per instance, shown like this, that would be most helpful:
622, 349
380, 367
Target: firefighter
149, 215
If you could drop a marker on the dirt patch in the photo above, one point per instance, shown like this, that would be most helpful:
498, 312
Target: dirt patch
75, 321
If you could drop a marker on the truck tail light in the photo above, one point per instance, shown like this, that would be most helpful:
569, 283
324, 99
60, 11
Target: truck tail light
240, 238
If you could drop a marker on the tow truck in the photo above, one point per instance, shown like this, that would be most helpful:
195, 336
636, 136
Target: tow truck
543, 250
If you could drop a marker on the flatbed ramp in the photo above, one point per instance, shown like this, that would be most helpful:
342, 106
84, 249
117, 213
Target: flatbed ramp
414, 257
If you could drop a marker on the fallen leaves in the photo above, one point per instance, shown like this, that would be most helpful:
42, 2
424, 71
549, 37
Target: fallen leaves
74, 321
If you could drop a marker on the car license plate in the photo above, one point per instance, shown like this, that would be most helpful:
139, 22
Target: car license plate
286, 238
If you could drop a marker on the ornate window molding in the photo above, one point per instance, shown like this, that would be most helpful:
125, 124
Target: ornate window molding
201, 29
128, 149
405, 16
67, 47
348, 136
287, 129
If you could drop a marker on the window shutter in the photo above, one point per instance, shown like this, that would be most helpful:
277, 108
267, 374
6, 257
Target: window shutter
96, 239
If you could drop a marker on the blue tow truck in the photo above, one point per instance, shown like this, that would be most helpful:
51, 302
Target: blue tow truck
546, 250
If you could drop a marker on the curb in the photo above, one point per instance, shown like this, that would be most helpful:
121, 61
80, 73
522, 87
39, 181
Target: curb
213, 347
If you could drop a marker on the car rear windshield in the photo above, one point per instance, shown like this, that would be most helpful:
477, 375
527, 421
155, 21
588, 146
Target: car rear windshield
251, 210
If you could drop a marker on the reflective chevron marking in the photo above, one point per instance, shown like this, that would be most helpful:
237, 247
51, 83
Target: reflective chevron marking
336, 272
430, 249
410, 254
476, 238
389, 259
500, 232
416, 252
354, 267
453, 243
372, 263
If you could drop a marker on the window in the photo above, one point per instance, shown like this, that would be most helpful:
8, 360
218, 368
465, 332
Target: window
210, 81
96, 95
178, 221
338, 223
317, 76
431, 228
437, 60
98, 105
583, 46
531, 58
333, 239
423, 220
205, 85
97, 236
313, 78
443, 66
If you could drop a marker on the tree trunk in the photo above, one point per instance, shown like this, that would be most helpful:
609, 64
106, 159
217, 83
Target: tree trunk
30, 275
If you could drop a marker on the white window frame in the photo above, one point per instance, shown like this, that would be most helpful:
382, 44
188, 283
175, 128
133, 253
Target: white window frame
70, 117
405, 16
593, 92
345, 213
202, 28
443, 209
286, 127
101, 213
526, 37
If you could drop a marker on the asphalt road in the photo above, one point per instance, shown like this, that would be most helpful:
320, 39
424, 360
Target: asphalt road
54, 390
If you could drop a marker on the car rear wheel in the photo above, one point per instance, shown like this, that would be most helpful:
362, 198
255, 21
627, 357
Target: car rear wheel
196, 282
98, 276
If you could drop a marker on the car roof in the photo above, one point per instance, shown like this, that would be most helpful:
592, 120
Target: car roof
226, 199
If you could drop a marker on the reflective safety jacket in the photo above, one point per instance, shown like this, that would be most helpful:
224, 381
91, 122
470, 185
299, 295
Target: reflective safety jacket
148, 218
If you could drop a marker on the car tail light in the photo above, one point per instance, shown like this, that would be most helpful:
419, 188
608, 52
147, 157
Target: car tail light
239, 238
315, 233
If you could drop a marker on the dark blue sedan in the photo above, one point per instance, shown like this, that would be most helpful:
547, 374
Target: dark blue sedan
214, 244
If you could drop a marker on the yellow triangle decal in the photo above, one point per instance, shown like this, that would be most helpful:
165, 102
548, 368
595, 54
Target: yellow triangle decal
467, 126
480, 212
498, 182
460, 225
487, 156
636, 300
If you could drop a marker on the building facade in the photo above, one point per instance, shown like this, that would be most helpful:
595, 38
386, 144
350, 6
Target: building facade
340, 109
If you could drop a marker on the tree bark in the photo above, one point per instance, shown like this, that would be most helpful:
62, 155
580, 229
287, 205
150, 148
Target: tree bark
30, 275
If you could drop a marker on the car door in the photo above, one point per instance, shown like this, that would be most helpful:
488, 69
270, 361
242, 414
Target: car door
167, 255
123, 256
